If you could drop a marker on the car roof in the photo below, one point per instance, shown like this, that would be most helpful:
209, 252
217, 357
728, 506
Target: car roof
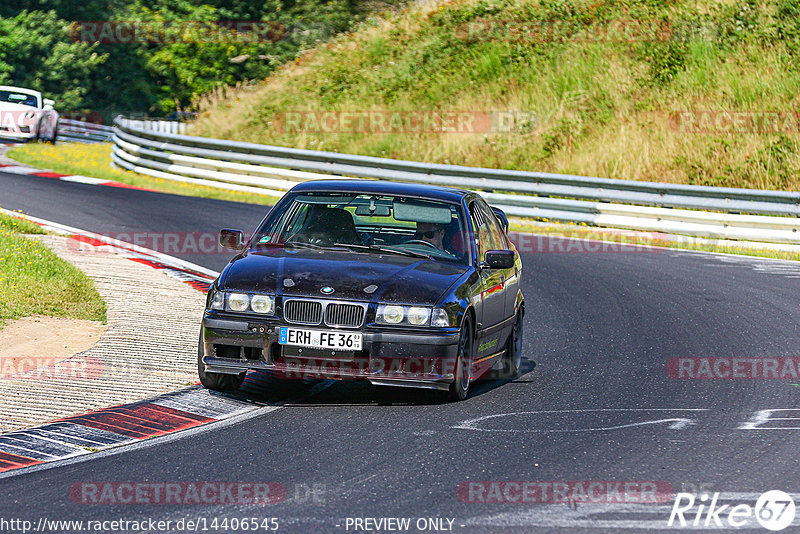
20, 90
383, 187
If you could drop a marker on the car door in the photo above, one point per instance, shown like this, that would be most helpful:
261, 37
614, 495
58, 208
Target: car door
512, 275
492, 294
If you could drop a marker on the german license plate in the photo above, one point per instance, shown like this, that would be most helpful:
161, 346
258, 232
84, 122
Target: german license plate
321, 339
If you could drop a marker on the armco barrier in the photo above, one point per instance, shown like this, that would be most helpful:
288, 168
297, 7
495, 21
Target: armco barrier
716, 212
83, 132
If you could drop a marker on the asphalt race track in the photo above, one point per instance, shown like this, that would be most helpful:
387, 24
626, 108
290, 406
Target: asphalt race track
595, 402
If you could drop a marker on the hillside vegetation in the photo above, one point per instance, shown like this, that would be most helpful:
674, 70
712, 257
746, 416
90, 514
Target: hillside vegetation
86, 55
682, 91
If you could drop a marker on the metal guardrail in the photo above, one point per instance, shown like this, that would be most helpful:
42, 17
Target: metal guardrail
730, 213
88, 132
83, 132
160, 126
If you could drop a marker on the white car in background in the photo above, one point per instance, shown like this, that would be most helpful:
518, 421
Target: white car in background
25, 115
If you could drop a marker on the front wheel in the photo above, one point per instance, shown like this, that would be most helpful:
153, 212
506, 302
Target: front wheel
55, 134
459, 389
216, 381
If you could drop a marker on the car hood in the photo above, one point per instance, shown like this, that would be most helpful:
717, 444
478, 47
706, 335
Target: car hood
9, 106
353, 276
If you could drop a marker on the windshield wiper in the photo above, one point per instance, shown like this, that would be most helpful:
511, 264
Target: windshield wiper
314, 246
288, 244
378, 248
297, 244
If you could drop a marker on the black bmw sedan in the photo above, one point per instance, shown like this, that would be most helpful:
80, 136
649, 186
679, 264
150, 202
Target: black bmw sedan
397, 284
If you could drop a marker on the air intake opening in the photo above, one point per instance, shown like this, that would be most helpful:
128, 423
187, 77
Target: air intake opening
252, 353
227, 351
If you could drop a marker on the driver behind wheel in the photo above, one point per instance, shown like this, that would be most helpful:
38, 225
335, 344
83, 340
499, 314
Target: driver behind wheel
432, 233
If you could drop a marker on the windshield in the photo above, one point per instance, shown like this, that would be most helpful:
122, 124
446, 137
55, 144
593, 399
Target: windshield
19, 98
370, 223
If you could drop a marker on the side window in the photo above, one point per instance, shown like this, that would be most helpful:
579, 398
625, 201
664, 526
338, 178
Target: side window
296, 221
481, 230
497, 241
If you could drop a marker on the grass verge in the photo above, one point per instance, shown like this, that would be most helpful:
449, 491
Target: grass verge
35, 281
94, 160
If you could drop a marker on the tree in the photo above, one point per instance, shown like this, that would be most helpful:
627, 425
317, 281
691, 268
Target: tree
36, 52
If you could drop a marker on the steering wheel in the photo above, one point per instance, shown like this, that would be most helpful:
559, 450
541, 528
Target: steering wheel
421, 242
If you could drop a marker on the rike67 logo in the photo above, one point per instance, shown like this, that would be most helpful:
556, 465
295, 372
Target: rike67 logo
774, 510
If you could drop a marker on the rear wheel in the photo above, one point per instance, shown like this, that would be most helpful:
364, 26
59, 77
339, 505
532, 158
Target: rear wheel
216, 381
512, 359
459, 389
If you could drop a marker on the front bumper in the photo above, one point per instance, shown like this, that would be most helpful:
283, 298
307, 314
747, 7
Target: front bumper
424, 359
8, 135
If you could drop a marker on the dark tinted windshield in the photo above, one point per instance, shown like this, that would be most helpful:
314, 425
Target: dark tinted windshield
19, 98
433, 228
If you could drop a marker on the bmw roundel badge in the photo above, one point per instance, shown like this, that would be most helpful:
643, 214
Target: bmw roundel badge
327, 290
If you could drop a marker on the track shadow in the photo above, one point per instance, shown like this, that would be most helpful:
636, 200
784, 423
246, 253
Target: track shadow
264, 388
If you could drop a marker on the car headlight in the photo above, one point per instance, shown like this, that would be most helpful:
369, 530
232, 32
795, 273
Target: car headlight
30, 114
262, 304
419, 316
412, 315
390, 314
238, 302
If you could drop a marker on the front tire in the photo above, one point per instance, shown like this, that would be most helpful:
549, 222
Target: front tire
459, 389
216, 381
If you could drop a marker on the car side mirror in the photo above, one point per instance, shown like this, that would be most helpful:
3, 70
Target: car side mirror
499, 259
47, 103
501, 216
233, 239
